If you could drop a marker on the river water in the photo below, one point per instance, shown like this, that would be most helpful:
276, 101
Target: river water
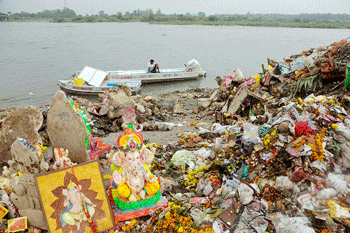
34, 56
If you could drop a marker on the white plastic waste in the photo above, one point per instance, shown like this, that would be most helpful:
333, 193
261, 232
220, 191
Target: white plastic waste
250, 131
218, 228
207, 189
202, 153
245, 194
284, 224
340, 185
326, 194
343, 130
234, 183
287, 187
182, 157
237, 76
266, 156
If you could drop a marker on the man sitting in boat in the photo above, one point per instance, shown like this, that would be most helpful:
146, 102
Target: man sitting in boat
153, 67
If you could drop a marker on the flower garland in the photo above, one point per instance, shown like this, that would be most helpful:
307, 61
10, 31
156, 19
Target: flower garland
270, 139
319, 140
320, 155
177, 220
300, 73
191, 176
301, 142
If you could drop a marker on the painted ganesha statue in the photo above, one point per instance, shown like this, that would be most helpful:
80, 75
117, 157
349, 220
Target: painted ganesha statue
134, 186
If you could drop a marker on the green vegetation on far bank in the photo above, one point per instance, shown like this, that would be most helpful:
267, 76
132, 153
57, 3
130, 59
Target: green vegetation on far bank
263, 20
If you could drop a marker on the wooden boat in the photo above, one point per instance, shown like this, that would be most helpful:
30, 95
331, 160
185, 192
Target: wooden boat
91, 81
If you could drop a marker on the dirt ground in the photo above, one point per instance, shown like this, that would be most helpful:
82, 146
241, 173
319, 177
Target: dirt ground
189, 102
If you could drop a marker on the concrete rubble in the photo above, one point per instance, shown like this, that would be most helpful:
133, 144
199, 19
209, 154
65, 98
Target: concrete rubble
21, 123
265, 153
66, 128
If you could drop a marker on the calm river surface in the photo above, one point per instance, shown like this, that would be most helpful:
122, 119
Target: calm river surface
34, 56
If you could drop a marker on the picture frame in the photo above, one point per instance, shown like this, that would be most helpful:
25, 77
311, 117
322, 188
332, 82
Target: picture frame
63, 192
3, 211
17, 224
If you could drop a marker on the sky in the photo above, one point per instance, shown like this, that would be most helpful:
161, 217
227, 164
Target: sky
181, 6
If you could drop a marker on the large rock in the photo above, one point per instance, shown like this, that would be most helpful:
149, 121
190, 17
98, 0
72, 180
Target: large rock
21, 123
119, 97
27, 201
178, 109
66, 128
203, 103
25, 157
214, 96
240, 97
36, 218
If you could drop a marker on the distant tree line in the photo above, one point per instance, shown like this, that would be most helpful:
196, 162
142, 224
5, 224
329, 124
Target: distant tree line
304, 16
273, 20
47, 14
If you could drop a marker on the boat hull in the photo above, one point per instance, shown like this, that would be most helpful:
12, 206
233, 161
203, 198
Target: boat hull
131, 78
166, 75
67, 86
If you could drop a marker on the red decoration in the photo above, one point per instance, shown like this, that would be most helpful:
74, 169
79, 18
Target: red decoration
301, 128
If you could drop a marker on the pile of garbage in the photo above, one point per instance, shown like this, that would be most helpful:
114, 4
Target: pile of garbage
289, 173
107, 115
277, 157
316, 71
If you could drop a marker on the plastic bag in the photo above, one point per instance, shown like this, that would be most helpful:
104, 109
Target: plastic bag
340, 185
237, 76
297, 64
207, 189
266, 156
251, 222
245, 193
217, 128
326, 194
202, 153
234, 129
307, 202
284, 67
342, 129
250, 131
234, 183
197, 215
203, 131
305, 116
344, 150
310, 60
287, 187
320, 165
257, 78
218, 228
182, 157
284, 224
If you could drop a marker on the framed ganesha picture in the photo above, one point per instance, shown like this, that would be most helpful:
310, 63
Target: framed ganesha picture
75, 199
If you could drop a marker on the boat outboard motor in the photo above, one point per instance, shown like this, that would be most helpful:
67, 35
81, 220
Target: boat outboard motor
194, 65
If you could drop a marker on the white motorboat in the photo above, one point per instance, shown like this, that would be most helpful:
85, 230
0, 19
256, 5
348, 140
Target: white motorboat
192, 70
91, 81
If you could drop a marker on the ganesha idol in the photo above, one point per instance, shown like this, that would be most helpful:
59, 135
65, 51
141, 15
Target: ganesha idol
134, 186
